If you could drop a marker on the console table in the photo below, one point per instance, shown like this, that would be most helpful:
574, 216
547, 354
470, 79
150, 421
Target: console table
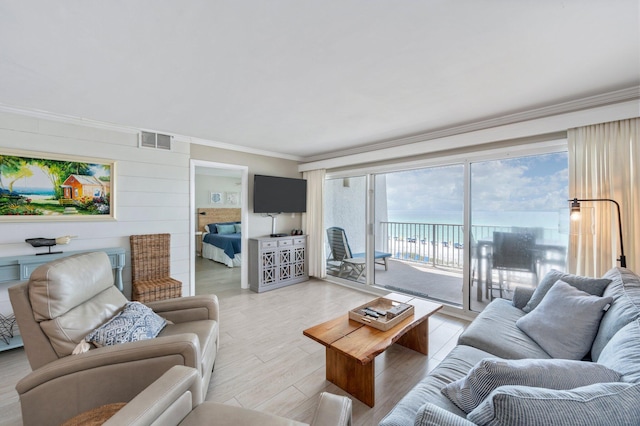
19, 268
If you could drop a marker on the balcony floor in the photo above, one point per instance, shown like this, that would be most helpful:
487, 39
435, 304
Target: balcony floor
436, 283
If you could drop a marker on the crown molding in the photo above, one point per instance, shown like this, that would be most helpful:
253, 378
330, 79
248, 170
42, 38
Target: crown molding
244, 149
69, 119
623, 95
79, 121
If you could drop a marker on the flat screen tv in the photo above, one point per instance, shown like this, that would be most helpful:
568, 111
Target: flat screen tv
272, 194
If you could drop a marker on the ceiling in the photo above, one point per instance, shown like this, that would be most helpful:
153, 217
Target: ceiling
311, 78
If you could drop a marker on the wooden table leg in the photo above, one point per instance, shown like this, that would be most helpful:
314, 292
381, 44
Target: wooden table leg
417, 338
350, 375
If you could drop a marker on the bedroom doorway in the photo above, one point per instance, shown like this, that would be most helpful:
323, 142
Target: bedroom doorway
218, 194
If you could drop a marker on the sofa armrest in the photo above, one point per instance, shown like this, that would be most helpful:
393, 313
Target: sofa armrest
432, 415
167, 400
101, 376
521, 296
190, 308
332, 410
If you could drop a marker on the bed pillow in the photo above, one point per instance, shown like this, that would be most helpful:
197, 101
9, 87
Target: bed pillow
135, 322
565, 323
226, 229
238, 228
595, 286
491, 373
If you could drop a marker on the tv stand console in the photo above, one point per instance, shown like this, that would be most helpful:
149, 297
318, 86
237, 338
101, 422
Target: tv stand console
276, 262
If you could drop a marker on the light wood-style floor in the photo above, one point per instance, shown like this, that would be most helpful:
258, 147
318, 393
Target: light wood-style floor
265, 363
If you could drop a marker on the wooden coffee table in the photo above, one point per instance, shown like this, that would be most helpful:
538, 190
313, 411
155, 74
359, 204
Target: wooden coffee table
351, 347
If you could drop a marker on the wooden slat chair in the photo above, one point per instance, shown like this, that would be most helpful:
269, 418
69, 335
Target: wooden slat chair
150, 268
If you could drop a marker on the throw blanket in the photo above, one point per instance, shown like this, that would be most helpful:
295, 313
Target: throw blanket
230, 243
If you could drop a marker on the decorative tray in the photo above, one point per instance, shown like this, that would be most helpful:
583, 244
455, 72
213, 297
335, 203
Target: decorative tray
381, 313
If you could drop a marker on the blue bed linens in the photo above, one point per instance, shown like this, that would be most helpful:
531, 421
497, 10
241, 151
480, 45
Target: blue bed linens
230, 243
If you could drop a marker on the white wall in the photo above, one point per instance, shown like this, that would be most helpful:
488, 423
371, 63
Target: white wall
206, 184
152, 191
258, 225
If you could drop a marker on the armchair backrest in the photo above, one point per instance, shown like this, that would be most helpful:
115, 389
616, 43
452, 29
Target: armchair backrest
62, 302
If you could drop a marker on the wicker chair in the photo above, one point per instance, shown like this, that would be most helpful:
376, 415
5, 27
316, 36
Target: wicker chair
150, 268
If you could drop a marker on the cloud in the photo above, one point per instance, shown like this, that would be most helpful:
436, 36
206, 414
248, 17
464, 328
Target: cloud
535, 183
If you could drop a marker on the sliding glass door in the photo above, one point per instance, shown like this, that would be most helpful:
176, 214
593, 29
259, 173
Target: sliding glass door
517, 206
419, 225
460, 234
346, 224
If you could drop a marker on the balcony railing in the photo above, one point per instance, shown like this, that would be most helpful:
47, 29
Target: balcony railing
440, 244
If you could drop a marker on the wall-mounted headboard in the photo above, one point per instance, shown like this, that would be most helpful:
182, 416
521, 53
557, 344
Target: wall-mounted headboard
213, 215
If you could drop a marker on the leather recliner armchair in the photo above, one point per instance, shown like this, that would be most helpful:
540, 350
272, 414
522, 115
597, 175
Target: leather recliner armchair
65, 300
170, 401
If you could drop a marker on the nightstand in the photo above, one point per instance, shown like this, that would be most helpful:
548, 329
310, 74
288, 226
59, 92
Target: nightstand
198, 243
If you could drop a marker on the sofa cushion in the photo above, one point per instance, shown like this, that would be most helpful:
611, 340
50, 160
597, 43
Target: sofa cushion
135, 322
599, 404
622, 353
625, 290
453, 367
566, 321
432, 415
492, 373
595, 286
498, 319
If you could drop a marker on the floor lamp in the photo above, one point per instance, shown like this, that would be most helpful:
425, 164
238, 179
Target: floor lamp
575, 214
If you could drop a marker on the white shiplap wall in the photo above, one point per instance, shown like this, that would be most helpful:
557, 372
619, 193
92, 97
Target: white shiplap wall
152, 191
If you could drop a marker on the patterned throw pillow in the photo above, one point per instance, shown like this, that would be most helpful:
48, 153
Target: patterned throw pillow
135, 322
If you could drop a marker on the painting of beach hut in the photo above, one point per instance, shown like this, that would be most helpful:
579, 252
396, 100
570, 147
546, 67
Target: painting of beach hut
42, 188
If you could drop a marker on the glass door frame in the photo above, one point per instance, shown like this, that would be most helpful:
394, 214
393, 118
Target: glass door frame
506, 151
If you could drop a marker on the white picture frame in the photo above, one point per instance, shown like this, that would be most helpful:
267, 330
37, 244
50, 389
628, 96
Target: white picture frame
233, 198
216, 197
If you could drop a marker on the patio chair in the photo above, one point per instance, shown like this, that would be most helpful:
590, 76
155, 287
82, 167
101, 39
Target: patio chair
512, 252
346, 261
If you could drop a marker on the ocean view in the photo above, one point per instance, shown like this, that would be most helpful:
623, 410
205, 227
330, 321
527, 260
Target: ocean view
26, 191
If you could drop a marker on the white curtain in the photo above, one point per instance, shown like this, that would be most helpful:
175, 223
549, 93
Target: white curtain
604, 162
314, 223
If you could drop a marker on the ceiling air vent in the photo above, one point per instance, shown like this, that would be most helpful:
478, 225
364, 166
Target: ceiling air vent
155, 140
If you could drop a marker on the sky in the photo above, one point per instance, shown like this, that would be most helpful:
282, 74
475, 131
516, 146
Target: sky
39, 178
534, 183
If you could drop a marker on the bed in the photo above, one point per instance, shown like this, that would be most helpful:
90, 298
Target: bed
221, 237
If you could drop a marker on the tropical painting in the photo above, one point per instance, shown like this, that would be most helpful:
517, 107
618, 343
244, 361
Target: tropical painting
45, 188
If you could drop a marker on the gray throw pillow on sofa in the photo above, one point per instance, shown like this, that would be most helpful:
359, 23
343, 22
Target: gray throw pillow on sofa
625, 290
595, 286
432, 415
491, 373
565, 323
599, 404
622, 353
